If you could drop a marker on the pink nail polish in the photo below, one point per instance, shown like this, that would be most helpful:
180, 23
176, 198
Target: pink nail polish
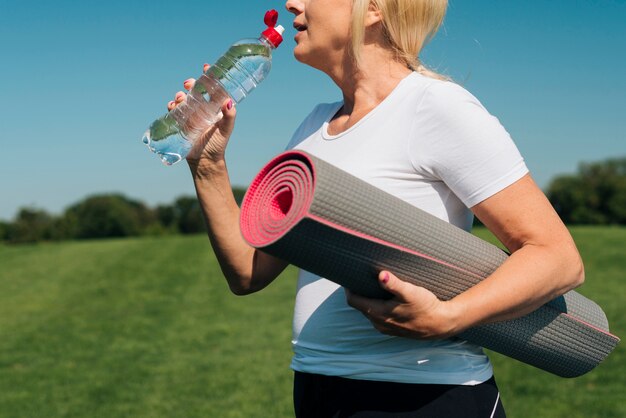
229, 105
385, 277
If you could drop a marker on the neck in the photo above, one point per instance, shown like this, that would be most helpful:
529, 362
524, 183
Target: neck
363, 88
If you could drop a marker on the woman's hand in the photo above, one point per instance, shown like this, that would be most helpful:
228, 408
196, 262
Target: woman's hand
412, 312
211, 145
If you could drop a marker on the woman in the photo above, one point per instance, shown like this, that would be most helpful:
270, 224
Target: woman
431, 143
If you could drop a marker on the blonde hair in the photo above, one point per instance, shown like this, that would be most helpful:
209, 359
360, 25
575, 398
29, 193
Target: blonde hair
408, 25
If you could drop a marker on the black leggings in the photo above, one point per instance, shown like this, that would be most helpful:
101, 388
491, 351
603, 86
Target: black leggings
317, 396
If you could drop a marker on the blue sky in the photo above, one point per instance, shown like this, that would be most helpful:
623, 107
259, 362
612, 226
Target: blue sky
81, 80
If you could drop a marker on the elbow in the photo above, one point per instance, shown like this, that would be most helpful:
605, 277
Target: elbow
244, 286
579, 273
567, 271
238, 289
573, 272
239, 283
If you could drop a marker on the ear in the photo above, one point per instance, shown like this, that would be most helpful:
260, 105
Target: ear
373, 16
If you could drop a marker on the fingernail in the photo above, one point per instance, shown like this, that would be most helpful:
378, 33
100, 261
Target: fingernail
179, 95
229, 105
188, 81
170, 104
385, 277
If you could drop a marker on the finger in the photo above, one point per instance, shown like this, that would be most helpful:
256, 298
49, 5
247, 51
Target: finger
189, 83
370, 307
171, 105
180, 97
205, 67
392, 284
229, 112
383, 328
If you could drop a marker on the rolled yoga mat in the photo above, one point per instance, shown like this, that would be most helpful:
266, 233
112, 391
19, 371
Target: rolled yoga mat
326, 221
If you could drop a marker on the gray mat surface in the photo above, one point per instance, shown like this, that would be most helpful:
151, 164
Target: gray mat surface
319, 218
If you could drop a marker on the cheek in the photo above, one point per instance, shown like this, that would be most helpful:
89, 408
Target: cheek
328, 38
335, 34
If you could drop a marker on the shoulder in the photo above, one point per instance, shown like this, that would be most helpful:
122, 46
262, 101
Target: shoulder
458, 141
449, 101
449, 111
439, 101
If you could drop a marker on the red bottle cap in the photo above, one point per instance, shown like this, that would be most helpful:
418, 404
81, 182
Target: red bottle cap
273, 34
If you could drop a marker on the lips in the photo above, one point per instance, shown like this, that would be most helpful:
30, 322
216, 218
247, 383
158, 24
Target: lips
300, 27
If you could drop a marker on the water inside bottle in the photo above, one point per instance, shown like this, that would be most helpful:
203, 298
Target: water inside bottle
173, 135
242, 68
234, 75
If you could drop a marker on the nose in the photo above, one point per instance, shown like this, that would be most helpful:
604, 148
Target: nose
294, 6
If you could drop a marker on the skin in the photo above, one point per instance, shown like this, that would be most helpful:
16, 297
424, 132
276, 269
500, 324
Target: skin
544, 261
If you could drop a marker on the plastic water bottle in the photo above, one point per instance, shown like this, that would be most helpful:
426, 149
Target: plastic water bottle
246, 63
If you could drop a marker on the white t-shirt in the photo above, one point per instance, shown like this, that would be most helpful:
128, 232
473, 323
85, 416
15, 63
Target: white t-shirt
432, 144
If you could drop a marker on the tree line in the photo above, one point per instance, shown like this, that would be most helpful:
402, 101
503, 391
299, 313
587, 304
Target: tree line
107, 216
595, 195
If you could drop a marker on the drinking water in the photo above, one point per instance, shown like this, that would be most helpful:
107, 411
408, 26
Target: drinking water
235, 75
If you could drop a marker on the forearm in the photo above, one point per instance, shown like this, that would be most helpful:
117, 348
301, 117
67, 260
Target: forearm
544, 262
246, 269
531, 276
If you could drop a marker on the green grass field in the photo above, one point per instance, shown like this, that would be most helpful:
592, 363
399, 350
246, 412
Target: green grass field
147, 328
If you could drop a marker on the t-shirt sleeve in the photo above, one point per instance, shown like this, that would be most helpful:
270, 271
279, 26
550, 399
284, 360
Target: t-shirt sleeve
455, 140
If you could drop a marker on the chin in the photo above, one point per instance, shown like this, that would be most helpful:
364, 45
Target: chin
300, 55
307, 57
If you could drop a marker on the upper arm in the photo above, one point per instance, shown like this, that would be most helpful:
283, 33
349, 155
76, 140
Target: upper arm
265, 268
542, 250
520, 214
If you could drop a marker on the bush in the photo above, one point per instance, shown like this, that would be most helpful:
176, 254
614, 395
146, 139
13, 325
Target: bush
239, 193
596, 195
30, 225
188, 216
5, 229
108, 216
